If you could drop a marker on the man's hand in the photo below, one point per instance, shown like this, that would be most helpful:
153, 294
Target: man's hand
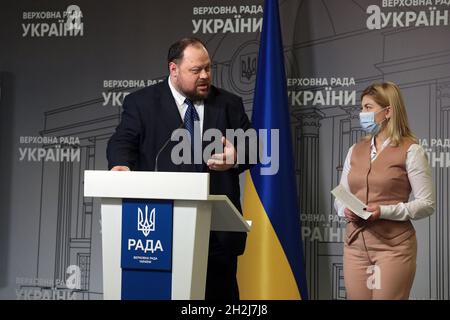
351, 216
120, 168
223, 161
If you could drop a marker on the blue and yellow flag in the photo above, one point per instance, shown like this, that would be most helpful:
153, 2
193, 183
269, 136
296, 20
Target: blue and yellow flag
272, 266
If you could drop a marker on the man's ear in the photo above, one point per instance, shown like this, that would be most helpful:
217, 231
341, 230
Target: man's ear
173, 69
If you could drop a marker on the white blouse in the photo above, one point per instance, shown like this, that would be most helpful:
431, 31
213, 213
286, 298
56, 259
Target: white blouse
419, 175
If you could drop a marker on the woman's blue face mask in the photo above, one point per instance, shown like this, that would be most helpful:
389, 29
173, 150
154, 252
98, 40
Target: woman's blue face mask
368, 124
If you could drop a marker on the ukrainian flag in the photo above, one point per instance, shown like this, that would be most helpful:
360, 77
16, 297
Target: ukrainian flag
272, 266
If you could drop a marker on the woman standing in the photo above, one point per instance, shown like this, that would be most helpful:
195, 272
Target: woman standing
382, 170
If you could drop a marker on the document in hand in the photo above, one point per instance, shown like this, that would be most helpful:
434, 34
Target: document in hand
350, 201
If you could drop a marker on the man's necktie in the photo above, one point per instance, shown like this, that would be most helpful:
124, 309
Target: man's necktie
190, 116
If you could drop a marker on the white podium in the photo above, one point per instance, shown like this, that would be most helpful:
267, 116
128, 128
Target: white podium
195, 214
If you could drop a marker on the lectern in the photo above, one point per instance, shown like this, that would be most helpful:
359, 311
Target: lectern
155, 231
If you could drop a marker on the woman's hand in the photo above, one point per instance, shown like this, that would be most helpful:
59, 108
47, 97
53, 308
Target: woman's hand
375, 210
351, 216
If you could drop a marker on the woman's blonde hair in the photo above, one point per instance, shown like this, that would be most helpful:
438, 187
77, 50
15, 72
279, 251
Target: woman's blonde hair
388, 94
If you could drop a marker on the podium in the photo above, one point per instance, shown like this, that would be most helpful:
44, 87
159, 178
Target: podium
176, 209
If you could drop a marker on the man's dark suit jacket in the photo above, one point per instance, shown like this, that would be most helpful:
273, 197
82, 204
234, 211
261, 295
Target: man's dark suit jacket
149, 117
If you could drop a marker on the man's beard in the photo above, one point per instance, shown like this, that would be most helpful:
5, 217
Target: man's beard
196, 95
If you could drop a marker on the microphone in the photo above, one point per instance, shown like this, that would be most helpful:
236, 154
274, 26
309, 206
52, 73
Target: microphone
165, 145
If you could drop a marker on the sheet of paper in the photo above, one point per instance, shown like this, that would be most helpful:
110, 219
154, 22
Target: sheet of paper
350, 201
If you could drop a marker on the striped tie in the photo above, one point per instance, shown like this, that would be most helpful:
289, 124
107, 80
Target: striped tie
190, 116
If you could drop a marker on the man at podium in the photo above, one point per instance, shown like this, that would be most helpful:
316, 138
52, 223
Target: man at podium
142, 141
